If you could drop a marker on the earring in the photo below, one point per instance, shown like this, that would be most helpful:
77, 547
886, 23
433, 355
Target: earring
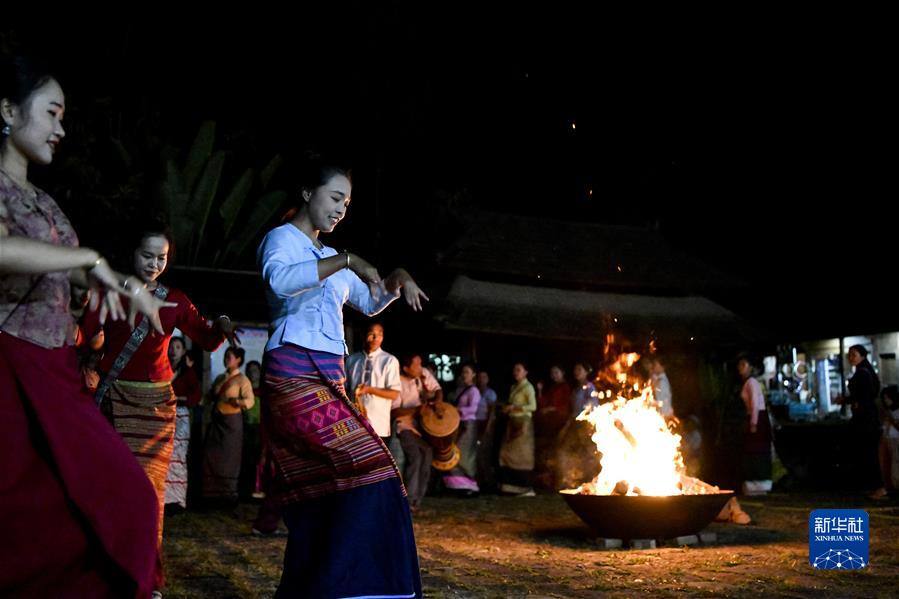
6, 130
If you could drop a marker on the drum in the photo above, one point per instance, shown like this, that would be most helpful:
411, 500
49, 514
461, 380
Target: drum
440, 427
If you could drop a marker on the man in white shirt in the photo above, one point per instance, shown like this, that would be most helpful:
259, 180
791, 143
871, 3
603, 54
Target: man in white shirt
418, 386
373, 379
661, 387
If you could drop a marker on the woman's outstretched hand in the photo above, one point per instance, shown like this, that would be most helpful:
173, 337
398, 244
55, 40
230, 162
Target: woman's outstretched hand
146, 303
412, 293
104, 291
366, 272
107, 288
228, 330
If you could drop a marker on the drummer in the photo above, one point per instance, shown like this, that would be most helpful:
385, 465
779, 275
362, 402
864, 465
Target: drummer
417, 387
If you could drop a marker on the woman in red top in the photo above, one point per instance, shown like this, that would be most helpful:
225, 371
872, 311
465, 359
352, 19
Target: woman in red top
141, 399
553, 405
186, 386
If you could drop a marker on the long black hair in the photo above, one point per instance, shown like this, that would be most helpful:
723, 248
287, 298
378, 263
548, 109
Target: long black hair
20, 76
182, 364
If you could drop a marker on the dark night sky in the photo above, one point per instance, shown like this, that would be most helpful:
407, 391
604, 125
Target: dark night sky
763, 149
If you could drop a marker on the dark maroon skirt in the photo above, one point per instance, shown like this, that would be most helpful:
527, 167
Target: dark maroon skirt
77, 513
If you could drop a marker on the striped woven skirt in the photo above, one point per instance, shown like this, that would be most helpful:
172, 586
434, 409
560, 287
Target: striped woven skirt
144, 414
320, 443
350, 529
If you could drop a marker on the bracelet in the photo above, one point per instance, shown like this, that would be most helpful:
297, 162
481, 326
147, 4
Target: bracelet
347, 254
136, 290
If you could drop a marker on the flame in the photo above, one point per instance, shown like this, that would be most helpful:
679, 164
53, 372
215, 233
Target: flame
640, 452
640, 456
617, 376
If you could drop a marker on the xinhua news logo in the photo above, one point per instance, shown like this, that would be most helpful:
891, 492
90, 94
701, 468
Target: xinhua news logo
838, 539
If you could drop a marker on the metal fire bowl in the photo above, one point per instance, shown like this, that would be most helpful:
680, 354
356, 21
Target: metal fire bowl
644, 517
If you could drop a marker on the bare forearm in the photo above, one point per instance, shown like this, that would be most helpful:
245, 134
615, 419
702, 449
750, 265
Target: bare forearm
20, 255
329, 266
400, 412
390, 394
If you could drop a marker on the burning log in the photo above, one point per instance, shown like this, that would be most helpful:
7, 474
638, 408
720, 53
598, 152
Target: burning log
693, 486
627, 435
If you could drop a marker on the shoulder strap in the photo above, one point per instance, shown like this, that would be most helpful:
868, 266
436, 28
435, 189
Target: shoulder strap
137, 337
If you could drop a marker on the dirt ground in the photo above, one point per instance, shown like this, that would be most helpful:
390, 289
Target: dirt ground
493, 546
